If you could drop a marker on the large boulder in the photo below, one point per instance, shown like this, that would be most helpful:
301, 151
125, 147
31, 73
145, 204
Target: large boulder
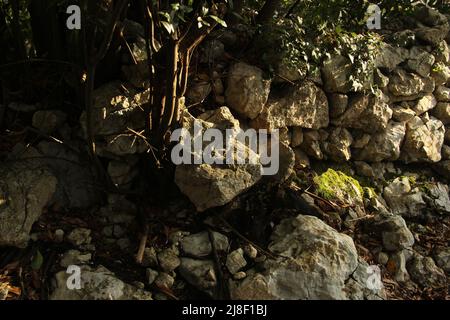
26, 187
96, 284
384, 145
315, 263
304, 106
247, 90
423, 141
214, 184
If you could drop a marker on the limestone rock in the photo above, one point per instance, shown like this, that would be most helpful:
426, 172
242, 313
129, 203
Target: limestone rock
303, 106
423, 141
247, 91
402, 198
383, 145
96, 284
199, 245
25, 189
442, 112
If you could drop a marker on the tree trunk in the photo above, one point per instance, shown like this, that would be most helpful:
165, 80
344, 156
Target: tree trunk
267, 11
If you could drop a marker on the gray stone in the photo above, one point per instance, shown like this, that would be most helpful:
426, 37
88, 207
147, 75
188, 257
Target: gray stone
395, 234
369, 113
25, 189
423, 141
424, 271
442, 258
96, 284
337, 147
318, 262
164, 280
48, 121
440, 73
212, 185
79, 236
74, 257
247, 91
168, 260
408, 85
199, 245
402, 114
198, 91
199, 273
434, 35
297, 137
390, 57
236, 261
442, 94
301, 158
397, 265
305, 106
424, 104
150, 258
402, 199
436, 196
338, 104
151, 275
442, 112
336, 72
420, 62
384, 145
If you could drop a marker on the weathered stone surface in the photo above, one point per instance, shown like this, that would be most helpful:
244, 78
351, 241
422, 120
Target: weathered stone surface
442, 112
337, 146
199, 273
442, 94
96, 284
423, 141
211, 185
48, 120
199, 245
429, 16
424, 104
367, 113
442, 258
434, 35
409, 86
437, 197
420, 61
383, 145
302, 106
404, 199
311, 144
318, 262
236, 261
25, 189
247, 91
336, 73
402, 113
424, 271
338, 104
440, 73
390, 57
395, 234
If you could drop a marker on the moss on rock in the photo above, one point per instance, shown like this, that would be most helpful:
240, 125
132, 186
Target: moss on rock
336, 185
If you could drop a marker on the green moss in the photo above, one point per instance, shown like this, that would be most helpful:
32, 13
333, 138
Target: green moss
337, 185
369, 193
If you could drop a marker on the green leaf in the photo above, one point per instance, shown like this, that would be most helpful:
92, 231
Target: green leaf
37, 261
219, 21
